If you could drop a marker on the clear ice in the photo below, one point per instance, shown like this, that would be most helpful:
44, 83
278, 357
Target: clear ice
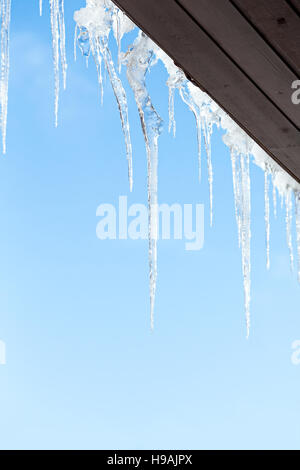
94, 24
58, 48
139, 60
267, 216
5, 9
297, 208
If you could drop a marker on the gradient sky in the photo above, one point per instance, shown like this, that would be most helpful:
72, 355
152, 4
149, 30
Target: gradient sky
83, 368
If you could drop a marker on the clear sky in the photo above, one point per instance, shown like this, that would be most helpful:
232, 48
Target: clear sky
83, 368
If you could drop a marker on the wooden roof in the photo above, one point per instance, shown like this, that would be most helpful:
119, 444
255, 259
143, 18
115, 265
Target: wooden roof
244, 53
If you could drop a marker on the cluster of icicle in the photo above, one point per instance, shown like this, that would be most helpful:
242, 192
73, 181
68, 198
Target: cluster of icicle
94, 23
59, 55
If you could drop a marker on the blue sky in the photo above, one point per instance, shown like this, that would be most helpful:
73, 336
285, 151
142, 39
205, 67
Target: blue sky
83, 368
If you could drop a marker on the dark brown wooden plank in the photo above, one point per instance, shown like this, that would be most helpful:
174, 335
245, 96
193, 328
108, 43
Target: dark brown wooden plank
251, 53
294, 4
278, 24
213, 70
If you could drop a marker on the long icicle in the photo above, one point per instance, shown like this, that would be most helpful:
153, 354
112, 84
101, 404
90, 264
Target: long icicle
207, 130
241, 187
246, 235
75, 42
118, 34
172, 122
5, 24
122, 104
267, 216
58, 48
138, 64
274, 197
62, 41
288, 220
189, 100
297, 209
236, 191
93, 38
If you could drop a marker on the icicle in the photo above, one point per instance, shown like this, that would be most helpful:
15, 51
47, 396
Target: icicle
5, 24
297, 208
121, 25
172, 123
240, 146
246, 237
123, 107
288, 219
41, 7
55, 46
138, 63
199, 139
267, 216
245, 211
235, 164
59, 49
274, 198
188, 99
95, 23
93, 38
90, 44
207, 141
241, 190
62, 42
201, 105
118, 37
75, 42
175, 81
123, 110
